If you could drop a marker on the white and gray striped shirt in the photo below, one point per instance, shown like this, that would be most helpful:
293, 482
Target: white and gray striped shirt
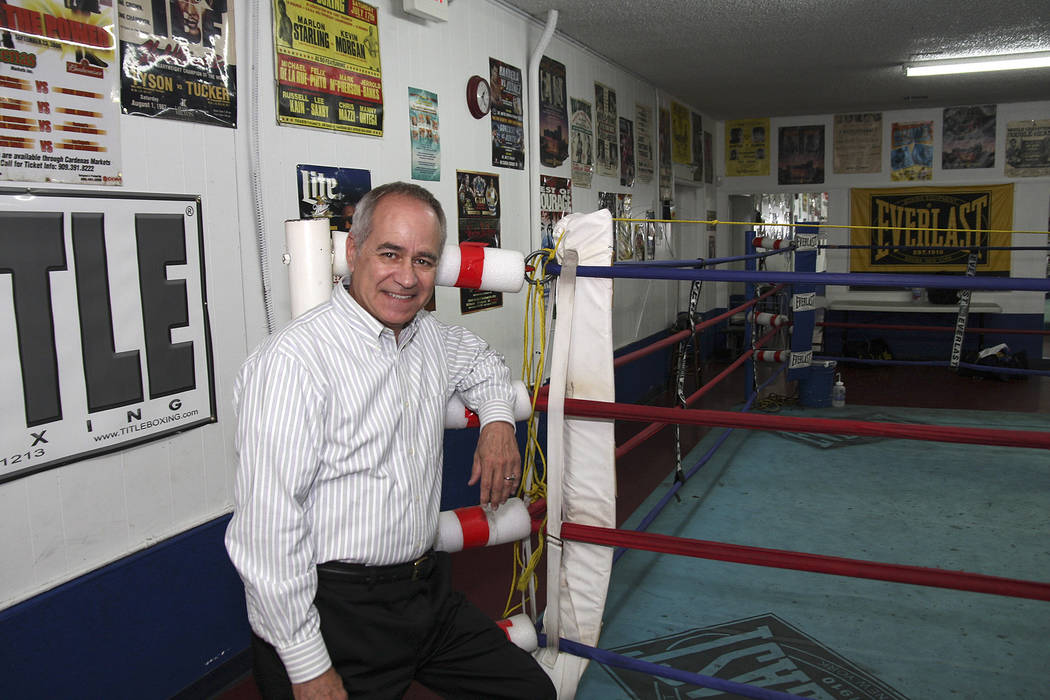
339, 444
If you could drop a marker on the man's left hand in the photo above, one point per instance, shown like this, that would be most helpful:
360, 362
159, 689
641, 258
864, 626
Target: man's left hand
495, 460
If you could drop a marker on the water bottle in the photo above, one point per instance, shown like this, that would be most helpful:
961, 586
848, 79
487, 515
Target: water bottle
838, 393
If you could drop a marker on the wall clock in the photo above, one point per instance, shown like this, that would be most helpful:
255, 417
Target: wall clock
479, 96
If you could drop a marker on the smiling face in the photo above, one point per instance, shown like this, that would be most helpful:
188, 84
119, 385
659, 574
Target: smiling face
392, 271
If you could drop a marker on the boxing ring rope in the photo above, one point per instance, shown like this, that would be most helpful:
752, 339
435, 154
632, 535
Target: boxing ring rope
966, 435
609, 536
801, 561
656, 427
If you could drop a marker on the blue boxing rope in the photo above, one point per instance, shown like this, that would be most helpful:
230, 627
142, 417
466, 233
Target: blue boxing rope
609, 658
936, 363
855, 279
662, 503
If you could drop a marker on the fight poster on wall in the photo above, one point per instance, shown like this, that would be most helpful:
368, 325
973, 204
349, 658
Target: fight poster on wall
911, 151
106, 340
424, 134
1028, 148
969, 137
555, 202
477, 202
747, 147
663, 141
508, 131
178, 60
605, 128
626, 152
582, 143
554, 120
801, 155
857, 143
681, 127
697, 146
643, 135
328, 70
59, 106
935, 219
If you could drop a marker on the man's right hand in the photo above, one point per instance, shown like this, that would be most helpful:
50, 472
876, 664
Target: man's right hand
327, 686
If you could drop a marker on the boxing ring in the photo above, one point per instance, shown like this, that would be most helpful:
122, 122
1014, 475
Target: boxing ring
840, 556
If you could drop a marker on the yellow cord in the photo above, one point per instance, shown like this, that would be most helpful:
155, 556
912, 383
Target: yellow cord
534, 463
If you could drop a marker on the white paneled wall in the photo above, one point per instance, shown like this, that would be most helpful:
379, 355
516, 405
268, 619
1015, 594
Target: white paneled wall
67, 521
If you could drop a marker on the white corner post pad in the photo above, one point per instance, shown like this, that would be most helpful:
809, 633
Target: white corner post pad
458, 416
472, 266
309, 261
583, 480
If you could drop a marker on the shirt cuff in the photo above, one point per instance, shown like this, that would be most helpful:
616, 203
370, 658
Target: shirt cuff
306, 660
495, 411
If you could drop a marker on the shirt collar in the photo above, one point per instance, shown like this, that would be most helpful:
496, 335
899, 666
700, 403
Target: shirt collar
364, 322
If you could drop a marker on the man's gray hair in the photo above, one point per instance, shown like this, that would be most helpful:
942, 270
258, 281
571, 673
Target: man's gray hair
365, 209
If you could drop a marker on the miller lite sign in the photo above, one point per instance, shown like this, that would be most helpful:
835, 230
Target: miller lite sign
106, 341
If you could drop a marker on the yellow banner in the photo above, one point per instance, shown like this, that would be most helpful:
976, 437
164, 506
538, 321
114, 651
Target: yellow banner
928, 222
681, 149
747, 147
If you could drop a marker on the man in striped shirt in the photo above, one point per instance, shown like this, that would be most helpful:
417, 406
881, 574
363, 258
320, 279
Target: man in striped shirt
340, 426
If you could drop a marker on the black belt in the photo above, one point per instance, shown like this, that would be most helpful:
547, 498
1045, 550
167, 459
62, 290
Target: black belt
392, 573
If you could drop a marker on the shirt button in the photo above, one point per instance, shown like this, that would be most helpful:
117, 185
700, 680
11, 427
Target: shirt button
411, 451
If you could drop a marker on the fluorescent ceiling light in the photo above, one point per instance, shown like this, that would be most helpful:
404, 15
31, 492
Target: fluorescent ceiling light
979, 64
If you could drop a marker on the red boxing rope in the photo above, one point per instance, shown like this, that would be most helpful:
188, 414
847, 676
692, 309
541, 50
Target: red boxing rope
800, 561
830, 426
672, 339
646, 433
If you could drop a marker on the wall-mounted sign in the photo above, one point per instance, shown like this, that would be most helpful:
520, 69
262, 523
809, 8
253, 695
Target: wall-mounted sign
106, 341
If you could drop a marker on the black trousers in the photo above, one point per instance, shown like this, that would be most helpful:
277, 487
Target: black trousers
382, 635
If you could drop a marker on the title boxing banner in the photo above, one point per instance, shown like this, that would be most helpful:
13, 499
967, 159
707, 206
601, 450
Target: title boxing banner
105, 341
936, 221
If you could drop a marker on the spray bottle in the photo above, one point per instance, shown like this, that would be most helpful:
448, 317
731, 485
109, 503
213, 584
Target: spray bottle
838, 393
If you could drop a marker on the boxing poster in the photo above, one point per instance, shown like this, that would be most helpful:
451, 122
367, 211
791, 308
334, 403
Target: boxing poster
643, 140
555, 202
605, 127
969, 137
106, 339
582, 143
626, 152
178, 60
59, 101
478, 207
936, 220
911, 151
508, 132
554, 121
709, 158
1028, 148
664, 144
424, 135
857, 143
328, 69
747, 147
681, 127
801, 155
697, 137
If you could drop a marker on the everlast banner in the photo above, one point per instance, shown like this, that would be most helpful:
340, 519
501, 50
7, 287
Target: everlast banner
106, 342
934, 220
